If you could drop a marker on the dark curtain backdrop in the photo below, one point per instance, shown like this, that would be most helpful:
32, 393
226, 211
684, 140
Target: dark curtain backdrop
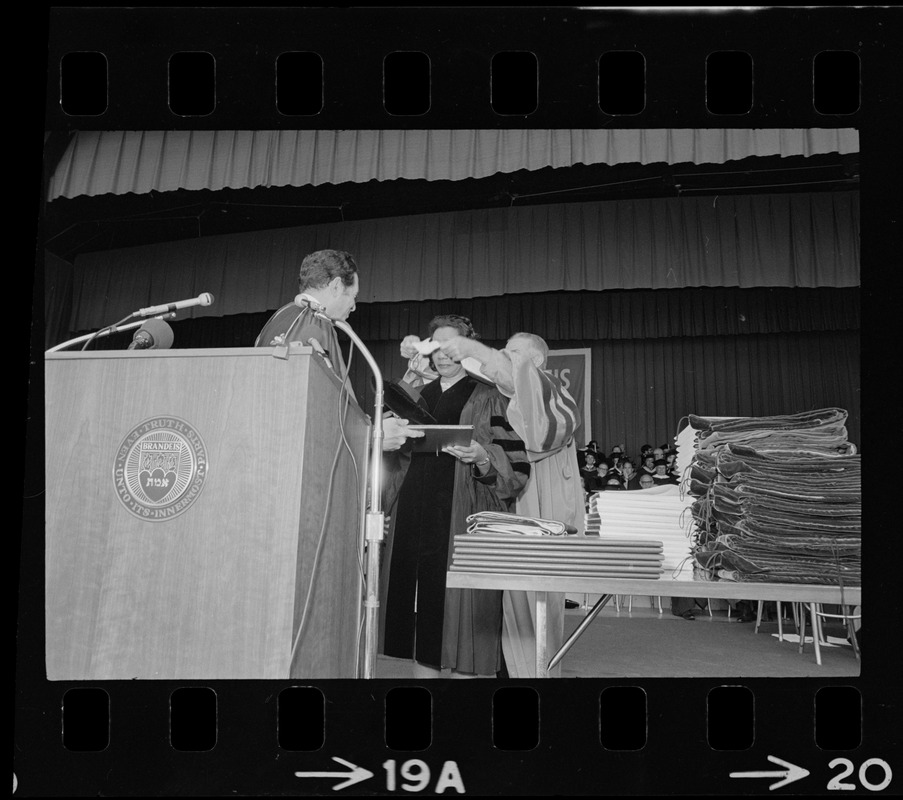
739, 241
656, 355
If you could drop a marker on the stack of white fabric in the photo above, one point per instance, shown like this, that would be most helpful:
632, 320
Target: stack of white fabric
661, 513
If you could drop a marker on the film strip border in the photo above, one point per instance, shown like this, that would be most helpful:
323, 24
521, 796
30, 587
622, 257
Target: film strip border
671, 736
617, 738
463, 67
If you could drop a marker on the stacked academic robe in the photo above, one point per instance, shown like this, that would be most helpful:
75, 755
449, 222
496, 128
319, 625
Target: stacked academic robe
776, 499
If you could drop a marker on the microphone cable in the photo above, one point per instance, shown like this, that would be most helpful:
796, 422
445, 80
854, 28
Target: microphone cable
107, 328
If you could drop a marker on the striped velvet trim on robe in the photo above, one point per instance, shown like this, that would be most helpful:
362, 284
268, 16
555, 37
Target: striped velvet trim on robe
541, 410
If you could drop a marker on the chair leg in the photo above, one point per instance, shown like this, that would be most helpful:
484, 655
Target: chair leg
813, 613
659, 599
851, 629
759, 606
780, 622
629, 603
801, 628
821, 625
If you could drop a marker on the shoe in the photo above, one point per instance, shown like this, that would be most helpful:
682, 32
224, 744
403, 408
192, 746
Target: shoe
686, 615
746, 616
571, 604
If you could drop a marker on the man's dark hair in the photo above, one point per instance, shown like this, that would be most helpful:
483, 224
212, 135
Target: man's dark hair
461, 324
319, 268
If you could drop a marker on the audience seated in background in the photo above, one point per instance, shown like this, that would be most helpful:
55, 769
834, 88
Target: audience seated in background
662, 476
646, 481
589, 473
613, 483
591, 447
629, 477
629, 472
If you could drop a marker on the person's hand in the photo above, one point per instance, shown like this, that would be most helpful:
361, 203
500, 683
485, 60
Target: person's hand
409, 346
420, 365
473, 453
396, 432
459, 347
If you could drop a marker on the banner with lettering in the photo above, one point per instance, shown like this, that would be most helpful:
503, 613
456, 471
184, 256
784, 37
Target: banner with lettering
572, 367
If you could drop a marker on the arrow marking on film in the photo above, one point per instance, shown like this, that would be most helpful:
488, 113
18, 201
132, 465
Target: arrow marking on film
356, 774
789, 775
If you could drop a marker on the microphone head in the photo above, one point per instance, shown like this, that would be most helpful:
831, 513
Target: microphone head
206, 298
160, 333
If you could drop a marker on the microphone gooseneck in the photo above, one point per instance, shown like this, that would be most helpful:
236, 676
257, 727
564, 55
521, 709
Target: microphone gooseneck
203, 299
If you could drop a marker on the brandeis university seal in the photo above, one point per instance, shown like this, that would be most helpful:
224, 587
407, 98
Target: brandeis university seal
160, 468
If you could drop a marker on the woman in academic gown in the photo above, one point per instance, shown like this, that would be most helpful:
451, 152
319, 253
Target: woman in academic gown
429, 497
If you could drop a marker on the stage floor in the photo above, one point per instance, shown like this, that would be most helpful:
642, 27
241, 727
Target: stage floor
642, 643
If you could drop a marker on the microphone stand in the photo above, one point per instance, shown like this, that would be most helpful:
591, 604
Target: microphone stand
375, 519
105, 332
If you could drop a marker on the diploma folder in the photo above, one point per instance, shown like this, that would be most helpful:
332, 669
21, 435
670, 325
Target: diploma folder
404, 400
435, 437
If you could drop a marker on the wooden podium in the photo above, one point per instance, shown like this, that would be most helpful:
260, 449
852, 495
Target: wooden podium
202, 505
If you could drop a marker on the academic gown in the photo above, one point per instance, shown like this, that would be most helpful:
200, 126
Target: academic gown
591, 480
304, 325
633, 484
545, 416
429, 497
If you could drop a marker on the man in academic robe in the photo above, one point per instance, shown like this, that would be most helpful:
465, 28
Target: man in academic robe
329, 284
545, 416
629, 477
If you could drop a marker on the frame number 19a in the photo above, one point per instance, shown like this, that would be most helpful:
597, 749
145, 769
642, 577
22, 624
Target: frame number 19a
414, 776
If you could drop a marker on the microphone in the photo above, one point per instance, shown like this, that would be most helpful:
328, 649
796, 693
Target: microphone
318, 308
315, 344
154, 334
204, 299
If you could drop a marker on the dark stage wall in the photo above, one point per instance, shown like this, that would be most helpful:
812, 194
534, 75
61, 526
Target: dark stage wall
642, 388
657, 355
